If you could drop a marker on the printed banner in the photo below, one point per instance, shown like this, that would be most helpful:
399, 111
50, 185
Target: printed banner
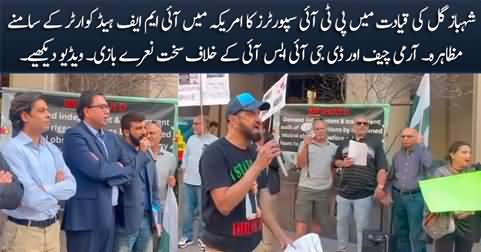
62, 107
215, 89
339, 117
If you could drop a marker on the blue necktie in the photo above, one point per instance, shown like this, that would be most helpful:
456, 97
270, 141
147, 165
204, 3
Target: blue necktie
115, 189
101, 137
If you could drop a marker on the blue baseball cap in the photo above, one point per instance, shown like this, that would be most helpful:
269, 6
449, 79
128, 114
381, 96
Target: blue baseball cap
245, 101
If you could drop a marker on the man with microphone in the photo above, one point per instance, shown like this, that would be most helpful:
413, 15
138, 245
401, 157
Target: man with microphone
138, 217
233, 174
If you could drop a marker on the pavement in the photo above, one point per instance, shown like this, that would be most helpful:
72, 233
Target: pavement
328, 245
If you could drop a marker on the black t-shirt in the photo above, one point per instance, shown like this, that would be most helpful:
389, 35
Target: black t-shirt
273, 179
357, 182
223, 164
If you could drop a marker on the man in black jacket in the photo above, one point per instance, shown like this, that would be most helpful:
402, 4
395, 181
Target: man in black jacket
11, 191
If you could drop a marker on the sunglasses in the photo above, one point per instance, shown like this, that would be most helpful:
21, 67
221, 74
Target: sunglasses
362, 123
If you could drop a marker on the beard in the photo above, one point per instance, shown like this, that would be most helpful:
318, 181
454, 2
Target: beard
135, 141
253, 135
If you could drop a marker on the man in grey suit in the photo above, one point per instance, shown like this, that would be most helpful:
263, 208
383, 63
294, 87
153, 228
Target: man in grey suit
139, 201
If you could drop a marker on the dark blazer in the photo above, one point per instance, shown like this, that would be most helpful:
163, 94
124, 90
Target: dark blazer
10, 194
96, 172
132, 197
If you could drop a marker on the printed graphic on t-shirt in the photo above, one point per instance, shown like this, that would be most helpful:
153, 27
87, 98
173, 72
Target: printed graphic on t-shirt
240, 169
251, 204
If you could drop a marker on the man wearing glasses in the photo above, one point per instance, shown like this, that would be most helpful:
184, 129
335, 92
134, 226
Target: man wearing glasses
358, 184
411, 164
39, 166
100, 168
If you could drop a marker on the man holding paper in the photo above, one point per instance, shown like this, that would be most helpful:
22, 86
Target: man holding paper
361, 163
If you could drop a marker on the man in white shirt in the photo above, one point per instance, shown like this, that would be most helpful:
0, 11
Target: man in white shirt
192, 183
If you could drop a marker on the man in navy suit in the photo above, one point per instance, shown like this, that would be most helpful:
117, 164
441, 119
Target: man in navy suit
139, 200
100, 167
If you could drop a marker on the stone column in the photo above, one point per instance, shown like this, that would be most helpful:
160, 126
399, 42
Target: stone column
476, 133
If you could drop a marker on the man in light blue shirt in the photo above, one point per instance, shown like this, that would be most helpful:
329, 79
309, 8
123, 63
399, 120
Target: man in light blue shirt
192, 184
46, 179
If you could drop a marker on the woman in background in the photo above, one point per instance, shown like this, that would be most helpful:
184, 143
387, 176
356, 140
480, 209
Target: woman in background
467, 224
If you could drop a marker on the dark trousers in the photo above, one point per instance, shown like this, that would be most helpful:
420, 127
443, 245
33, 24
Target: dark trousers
101, 240
453, 243
407, 219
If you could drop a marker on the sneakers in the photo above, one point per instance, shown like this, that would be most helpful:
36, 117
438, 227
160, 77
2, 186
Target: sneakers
201, 245
184, 243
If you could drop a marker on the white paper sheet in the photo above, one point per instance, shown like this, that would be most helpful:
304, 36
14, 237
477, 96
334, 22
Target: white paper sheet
358, 153
307, 243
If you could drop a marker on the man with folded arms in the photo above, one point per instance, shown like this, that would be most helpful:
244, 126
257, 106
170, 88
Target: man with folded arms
46, 179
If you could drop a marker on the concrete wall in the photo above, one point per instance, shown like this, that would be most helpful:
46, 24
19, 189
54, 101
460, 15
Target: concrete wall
461, 111
452, 111
239, 83
476, 130
34, 81
476, 122
144, 85
440, 129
